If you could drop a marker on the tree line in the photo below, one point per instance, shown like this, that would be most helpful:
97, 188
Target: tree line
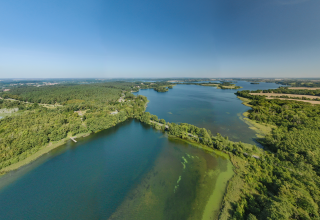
283, 181
286, 90
35, 126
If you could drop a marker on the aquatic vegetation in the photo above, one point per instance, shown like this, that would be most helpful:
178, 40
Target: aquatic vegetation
176, 186
185, 160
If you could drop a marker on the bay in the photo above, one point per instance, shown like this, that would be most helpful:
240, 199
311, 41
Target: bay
218, 110
130, 171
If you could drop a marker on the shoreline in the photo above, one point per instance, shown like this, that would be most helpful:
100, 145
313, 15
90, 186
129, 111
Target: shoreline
223, 181
213, 205
261, 129
43, 150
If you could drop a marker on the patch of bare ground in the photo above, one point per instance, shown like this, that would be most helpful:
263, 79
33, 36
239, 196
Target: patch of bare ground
277, 95
308, 88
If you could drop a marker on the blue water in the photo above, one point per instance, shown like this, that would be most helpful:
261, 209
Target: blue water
92, 178
214, 109
88, 181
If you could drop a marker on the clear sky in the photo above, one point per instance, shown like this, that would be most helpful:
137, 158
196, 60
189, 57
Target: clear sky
159, 38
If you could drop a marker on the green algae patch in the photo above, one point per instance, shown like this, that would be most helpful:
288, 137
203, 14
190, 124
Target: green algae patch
213, 206
186, 182
176, 187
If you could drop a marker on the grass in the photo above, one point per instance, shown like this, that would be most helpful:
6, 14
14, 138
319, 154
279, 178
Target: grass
261, 129
3, 115
245, 101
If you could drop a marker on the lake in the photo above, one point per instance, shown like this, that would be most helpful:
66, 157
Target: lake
217, 110
130, 171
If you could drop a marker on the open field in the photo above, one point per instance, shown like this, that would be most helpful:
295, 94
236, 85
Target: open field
299, 100
308, 88
275, 95
44, 105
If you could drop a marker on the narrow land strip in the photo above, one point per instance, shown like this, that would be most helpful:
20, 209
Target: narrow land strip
291, 97
308, 88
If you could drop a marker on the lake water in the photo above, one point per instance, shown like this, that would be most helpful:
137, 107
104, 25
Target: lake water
130, 171
207, 107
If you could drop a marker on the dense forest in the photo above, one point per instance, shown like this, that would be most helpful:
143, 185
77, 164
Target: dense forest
85, 109
286, 182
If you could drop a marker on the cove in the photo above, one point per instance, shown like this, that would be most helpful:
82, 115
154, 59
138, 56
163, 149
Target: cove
128, 170
206, 107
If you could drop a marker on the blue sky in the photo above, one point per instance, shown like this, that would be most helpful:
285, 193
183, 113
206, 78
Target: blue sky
159, 38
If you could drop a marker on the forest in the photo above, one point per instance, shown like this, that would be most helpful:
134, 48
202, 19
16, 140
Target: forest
279, 182
84, 109
286, 181
286, 90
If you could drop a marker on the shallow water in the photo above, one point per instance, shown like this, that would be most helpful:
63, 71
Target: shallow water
207, 107
130, 171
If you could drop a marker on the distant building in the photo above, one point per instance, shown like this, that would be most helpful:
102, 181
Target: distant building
6, 90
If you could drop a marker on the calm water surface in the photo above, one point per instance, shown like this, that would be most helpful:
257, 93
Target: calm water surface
130, 171
208, 107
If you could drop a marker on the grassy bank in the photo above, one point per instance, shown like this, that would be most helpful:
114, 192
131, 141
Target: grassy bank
245, 101
261, 129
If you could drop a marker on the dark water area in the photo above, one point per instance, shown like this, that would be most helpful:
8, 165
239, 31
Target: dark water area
129, 171
215, 109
